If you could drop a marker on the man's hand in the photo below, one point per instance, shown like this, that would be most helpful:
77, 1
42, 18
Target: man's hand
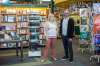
70, 39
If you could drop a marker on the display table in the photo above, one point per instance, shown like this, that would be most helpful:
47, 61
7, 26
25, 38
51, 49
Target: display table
17, 42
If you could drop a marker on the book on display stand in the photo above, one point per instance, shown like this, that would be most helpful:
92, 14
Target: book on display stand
96, 27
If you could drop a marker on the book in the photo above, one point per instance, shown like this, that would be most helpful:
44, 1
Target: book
84, 28
97, 39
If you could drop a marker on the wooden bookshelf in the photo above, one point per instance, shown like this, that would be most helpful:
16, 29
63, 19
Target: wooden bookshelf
16, 21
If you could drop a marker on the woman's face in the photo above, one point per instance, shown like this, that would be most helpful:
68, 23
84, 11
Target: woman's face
51, 18
66, 15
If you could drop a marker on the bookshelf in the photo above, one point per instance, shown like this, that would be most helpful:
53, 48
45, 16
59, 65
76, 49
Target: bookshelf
21, 24
7, 27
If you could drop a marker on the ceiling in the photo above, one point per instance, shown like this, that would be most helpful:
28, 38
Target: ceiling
65, 3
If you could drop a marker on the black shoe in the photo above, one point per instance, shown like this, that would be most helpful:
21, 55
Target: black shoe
71, 61
64, 58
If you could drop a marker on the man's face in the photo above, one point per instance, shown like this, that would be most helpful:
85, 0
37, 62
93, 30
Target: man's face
66, 15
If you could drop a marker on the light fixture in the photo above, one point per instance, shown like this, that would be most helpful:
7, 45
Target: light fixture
4, 1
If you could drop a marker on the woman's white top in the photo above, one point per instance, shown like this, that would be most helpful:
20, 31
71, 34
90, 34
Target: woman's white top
51, 30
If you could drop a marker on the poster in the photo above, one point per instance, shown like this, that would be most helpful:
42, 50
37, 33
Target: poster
96, 8
96, 27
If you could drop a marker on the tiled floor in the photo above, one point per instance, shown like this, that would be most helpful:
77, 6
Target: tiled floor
79, 60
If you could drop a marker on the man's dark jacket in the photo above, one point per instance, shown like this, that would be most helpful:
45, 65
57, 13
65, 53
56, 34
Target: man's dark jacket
70, 29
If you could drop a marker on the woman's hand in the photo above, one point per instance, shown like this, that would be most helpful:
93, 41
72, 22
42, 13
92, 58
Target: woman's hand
45, 37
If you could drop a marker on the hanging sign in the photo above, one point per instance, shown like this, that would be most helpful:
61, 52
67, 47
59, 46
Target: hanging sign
4, 1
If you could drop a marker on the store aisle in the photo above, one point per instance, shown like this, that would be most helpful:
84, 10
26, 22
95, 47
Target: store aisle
79, 60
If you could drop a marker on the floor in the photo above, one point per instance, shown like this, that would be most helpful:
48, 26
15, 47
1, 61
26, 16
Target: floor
8, 58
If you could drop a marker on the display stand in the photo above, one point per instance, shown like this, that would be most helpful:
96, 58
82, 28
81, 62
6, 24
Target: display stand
34, 27
84, 29
96, 26
96, 34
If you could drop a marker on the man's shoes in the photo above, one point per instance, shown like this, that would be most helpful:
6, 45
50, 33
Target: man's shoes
64, 58
42, 61
71, 61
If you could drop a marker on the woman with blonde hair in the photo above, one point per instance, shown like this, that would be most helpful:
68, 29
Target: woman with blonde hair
51, 35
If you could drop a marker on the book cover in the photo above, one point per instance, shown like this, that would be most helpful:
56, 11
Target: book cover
84, 28
97, 39
85, 35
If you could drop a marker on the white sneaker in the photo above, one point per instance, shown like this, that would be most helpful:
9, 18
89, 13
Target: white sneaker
55, 59
43, 60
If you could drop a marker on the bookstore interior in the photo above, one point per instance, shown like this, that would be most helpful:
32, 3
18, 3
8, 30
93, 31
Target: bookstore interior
22, 24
